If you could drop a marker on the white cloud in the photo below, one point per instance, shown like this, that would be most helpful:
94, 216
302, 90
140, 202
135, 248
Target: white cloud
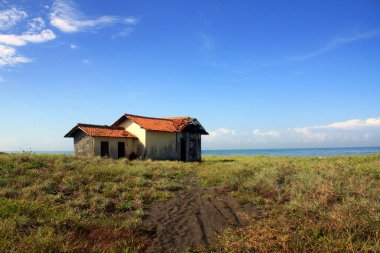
5, 50
336, 43
36, 25
21, 40
307, 134
353, 124
10, 17
34, 33
355, 132
259, 133
9, 57
220, 132
67, 18
348, 130
63, 15
131, 20
86, 61
221, 137
126, 32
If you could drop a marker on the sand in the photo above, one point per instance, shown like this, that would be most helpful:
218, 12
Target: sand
193, 219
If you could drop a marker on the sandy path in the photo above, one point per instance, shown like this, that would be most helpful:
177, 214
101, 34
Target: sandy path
193, 218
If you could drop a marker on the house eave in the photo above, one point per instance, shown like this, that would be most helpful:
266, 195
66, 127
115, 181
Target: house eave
81, 126
71, 133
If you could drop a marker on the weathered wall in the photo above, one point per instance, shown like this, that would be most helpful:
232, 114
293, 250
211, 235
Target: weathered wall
193, 146
161, 145
83, 144
157, 145
113, 146
133, 147
139, 132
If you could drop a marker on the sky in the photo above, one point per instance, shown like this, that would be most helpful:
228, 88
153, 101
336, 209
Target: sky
256, 74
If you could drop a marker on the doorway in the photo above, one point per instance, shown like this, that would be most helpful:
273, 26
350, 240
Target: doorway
183, 149
120, 149
104, 150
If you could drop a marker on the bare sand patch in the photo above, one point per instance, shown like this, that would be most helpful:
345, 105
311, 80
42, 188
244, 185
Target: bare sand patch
193, 219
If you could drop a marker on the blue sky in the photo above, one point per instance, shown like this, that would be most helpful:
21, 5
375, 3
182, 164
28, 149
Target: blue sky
256, 74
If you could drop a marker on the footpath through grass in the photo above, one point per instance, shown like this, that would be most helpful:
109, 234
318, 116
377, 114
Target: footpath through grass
58, 203
307, 204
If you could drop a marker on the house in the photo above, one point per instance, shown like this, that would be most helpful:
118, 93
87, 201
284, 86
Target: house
174, 138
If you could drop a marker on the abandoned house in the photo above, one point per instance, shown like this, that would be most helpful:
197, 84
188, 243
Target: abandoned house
174, 138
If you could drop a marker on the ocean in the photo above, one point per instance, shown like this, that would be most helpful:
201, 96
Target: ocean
320, 152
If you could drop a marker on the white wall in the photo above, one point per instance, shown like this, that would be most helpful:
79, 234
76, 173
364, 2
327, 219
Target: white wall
139, 132
161, 145
113, 145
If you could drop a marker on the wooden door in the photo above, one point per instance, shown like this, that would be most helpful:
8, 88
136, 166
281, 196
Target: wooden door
183, 149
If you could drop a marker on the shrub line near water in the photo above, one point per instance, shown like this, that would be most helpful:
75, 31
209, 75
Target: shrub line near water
61, 203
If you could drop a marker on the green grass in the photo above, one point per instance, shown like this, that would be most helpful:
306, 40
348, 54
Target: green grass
58, 203
306, 204
51, 203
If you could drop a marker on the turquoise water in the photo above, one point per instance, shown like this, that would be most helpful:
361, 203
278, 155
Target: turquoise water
272, 152
297, 151
43, 152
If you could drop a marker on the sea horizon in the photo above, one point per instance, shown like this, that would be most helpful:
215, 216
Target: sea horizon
318, 152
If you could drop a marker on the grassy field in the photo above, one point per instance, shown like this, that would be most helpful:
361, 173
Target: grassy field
58, 203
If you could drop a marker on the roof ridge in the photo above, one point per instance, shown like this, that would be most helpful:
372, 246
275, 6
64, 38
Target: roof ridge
99, 126
177, 117
146, 117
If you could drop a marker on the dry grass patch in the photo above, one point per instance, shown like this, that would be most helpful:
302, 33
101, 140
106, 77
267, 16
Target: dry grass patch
58, 203
306, 204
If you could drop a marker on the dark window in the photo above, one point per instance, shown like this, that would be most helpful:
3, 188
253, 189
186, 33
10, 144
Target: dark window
120, 149
104, 150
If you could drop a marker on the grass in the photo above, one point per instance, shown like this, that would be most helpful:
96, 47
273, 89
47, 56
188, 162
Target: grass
58, 203
306, 204
51, 203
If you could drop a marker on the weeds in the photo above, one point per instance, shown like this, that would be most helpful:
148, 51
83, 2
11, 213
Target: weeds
58, 203
306, 204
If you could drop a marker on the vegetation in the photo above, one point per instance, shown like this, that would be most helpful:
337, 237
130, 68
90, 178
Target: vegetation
58, 203
55, 203
306, 204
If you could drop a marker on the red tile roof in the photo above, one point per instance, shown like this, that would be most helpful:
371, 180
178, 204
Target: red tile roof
101, 131
172, 124
180, 122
